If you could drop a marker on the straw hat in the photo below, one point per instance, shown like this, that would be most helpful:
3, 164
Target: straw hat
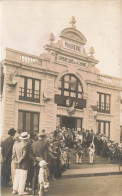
24, 136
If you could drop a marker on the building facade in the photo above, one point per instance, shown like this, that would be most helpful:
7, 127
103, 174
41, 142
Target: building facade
60, 87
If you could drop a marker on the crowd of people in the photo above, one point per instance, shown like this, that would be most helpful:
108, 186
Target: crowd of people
108, 148
32, 160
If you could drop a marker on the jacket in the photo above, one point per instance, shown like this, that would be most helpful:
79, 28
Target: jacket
7, 146
21, 155
39, 148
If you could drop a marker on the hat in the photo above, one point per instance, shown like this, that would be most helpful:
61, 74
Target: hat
42, 163
12, 132
24, 136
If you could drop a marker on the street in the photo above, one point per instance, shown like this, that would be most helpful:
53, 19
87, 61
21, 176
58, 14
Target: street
86, 186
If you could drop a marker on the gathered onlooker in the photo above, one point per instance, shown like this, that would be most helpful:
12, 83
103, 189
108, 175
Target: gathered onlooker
79, 152
67, 151
43, 178
39, 151
22, 158
7, 146
30, 171
14, 161
58, 166
51, 162
91, 153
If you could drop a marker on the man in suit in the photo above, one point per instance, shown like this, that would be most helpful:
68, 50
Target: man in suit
39, 151
21, 154
90, 138
7, 146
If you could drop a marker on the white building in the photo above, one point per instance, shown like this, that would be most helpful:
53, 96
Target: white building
60, 87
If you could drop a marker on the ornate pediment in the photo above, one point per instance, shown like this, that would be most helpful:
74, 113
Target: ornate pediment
74, 35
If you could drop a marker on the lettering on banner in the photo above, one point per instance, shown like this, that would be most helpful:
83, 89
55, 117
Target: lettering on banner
72, 47
69, 60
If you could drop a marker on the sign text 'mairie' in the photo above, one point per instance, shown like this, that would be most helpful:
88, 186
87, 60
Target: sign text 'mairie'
71, 46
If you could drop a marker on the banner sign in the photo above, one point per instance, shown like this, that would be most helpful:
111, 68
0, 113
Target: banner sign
63, 58
70, 102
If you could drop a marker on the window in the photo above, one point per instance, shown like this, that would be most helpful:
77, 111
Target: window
29, 89
103, 127
70, 86
28, 121
70, 92
103, 103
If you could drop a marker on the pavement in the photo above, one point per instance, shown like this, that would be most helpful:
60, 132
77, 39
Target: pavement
88, 186
85, 180
95, 186
93, 170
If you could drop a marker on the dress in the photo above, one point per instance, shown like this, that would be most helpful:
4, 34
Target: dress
91, 154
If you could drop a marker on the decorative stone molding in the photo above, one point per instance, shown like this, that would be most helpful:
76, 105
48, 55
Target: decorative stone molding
73, 34
46, 97
12, 79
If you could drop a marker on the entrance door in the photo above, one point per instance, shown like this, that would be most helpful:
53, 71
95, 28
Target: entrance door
69, 122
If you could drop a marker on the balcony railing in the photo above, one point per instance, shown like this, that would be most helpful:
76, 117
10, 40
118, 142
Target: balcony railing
29, 59
104, 79
103, 107
23, 57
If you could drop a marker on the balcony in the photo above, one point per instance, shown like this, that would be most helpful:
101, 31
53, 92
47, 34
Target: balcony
66, 101
102, 107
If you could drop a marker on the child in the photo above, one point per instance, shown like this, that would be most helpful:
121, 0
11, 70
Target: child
79, 152
42, 178
91, 153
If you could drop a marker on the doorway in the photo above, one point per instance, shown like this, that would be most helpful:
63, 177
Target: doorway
69, 122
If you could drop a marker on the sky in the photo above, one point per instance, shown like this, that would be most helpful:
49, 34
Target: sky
26, 26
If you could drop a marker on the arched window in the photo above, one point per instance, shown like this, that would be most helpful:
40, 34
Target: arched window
70, 86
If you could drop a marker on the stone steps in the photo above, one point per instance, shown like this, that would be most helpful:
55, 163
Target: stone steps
85, 160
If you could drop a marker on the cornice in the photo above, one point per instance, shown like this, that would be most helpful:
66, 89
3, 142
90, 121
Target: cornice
103, 85
30, 68
71, 54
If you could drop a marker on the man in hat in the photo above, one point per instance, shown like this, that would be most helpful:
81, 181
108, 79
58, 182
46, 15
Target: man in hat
39, 151
7, 146
23, 160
